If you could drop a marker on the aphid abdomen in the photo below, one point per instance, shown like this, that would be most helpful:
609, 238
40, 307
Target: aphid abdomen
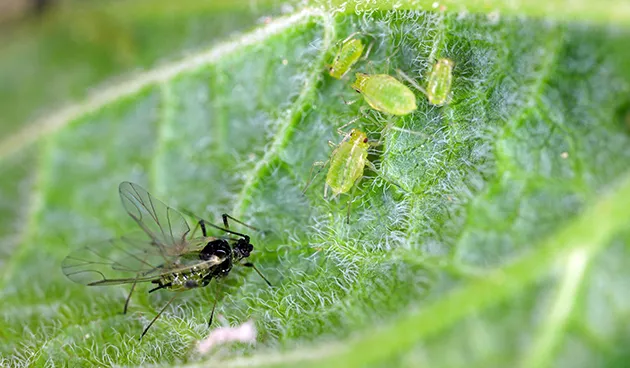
347, 163
440, 79
385, 93
182, 281
349, 54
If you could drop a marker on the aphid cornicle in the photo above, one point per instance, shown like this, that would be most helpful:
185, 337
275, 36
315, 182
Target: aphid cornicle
168, 255
349, 53
385, 93
439, 84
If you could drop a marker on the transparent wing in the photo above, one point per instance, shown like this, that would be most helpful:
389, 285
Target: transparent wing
116, 258
126, 260
215, 260
166, 227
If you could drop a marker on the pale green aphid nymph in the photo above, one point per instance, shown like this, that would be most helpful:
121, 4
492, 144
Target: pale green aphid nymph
347, 162
439, 84
385, 93
347, 56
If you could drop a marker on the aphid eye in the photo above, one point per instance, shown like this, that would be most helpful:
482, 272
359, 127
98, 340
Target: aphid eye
365, 140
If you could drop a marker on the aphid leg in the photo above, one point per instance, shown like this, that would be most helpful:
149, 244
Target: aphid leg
225, 217
133, 287
156, 317
349, 207
371, 166
350, 37
411, 81
249, 264
370, 67
223, 229
352, 198
369, 49
340, 129
160, 286
199, 225
349, 102
214, 305
366, 112
311, 177
202, 225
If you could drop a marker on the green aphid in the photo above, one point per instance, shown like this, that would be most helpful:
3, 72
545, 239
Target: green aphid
440, 79
385, 93
346, 165
347, 162
348, 55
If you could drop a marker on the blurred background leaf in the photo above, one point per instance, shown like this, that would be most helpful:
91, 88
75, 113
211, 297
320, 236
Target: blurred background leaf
508, 244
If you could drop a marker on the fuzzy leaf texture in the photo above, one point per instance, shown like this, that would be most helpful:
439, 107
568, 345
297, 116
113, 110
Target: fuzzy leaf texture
507, 242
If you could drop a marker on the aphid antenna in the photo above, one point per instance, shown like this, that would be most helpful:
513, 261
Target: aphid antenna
411, 81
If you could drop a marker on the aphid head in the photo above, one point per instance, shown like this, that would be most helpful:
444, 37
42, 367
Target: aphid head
358, 84
242, 248
358, 136
447, 62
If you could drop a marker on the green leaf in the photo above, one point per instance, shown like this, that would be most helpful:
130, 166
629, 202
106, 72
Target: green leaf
507, 243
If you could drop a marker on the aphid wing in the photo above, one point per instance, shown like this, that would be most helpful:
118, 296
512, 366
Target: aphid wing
167, 227
117, 260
